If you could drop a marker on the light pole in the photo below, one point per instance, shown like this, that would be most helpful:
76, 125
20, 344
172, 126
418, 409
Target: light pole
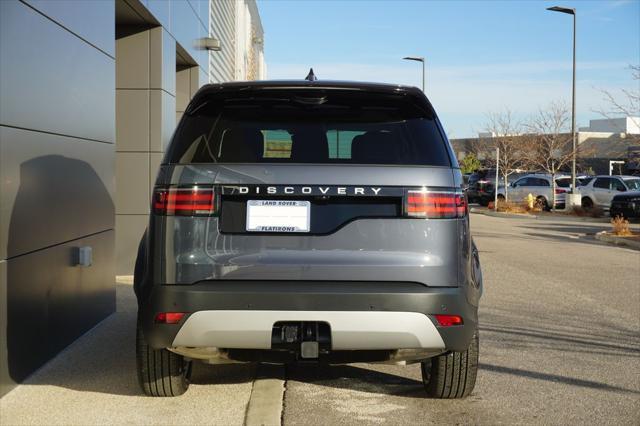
417, 59
572, 12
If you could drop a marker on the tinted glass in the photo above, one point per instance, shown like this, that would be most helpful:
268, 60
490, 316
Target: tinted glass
563, 182
522, 182
616, 185
335, 128
632, 184
602, 183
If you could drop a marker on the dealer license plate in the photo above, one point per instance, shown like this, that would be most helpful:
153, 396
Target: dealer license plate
278, 216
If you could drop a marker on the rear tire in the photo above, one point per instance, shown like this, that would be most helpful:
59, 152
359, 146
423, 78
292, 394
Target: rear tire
452, 375
586, 203
543, 203
160, 372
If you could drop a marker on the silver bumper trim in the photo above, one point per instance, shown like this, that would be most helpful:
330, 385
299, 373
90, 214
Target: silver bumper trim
365, 330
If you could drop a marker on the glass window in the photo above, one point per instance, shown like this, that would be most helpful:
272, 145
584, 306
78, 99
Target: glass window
602, 183
617, 185
563, 182
521, 182
281, 127
632, 184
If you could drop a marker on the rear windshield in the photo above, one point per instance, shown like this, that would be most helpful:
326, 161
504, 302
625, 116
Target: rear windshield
563, 182
324, 128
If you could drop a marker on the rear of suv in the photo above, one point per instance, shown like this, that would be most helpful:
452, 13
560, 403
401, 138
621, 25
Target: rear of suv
308, 221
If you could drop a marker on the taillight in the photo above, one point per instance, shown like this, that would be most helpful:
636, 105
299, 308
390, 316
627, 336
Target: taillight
449, 320
435, 205
168, 317
193, 201
561, 190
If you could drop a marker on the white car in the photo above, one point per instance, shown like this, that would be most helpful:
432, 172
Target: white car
601, 190
538, 185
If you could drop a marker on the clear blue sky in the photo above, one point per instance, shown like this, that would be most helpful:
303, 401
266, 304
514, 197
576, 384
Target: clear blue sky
482, 56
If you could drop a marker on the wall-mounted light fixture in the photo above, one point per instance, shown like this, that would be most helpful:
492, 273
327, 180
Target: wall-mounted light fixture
207, 43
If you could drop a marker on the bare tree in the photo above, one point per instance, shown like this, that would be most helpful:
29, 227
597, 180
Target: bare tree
507, 136
625, 103
549, 145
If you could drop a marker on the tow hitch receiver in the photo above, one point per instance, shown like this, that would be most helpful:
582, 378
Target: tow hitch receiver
307, 339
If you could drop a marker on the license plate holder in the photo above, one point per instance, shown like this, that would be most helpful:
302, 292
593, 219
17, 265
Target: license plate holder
279, 216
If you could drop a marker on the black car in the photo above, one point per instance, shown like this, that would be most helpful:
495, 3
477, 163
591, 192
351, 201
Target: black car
626, 205
481, 188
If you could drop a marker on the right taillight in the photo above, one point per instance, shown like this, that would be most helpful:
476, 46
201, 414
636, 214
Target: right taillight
435, 204
192, 201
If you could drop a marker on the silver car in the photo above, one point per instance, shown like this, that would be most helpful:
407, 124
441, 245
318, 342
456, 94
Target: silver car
538, 185
601, 190
308, 221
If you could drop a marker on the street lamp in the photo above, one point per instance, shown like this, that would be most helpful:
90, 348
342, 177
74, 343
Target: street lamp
572, 12
417, 59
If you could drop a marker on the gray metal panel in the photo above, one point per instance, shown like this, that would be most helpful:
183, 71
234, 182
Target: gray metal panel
186, 28
51, 80
54, 189
51, 302
397, 249
6, 384
92, 20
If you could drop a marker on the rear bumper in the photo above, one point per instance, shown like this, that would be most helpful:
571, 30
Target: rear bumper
361, 315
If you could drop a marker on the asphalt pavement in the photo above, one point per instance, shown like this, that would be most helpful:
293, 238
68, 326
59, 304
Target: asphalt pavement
559, 344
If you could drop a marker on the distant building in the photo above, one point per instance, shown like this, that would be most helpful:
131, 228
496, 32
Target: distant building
627, 125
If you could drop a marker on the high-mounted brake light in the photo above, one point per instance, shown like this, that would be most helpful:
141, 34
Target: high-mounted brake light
194, 201
169, 317
435, 205
449, 320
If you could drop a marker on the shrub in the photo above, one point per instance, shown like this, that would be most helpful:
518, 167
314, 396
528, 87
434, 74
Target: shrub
621, 227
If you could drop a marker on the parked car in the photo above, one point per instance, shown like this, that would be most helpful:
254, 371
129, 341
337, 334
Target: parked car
539, 185
481, 188
626, 205
601, 190
270, 241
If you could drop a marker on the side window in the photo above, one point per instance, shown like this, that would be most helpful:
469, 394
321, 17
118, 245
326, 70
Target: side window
601, 183
616, 185
521, 182
277, 144
543, 182
340, 142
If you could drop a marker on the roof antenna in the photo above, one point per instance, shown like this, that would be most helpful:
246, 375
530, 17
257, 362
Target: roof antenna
311, 76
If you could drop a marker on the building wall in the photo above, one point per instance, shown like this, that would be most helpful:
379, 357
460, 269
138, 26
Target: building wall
57, 152
157, 72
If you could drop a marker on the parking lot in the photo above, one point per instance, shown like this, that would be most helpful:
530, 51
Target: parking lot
560, 343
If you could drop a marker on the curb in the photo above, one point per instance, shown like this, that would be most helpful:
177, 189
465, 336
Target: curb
267, 395
618, 241
541, 217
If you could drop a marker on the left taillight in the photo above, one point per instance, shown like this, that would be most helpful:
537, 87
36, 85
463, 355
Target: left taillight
435, 204
191, 201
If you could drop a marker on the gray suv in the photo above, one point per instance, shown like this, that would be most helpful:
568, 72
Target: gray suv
307, 221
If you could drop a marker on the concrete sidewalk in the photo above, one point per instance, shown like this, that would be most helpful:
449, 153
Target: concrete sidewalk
94, 382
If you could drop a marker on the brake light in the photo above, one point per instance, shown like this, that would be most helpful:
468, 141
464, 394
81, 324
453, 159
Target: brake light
561, 190
169, 317
448, 320
194, 201
435, 205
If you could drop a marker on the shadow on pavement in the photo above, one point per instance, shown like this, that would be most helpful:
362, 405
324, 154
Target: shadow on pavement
103, 360
555, 378
356, 378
